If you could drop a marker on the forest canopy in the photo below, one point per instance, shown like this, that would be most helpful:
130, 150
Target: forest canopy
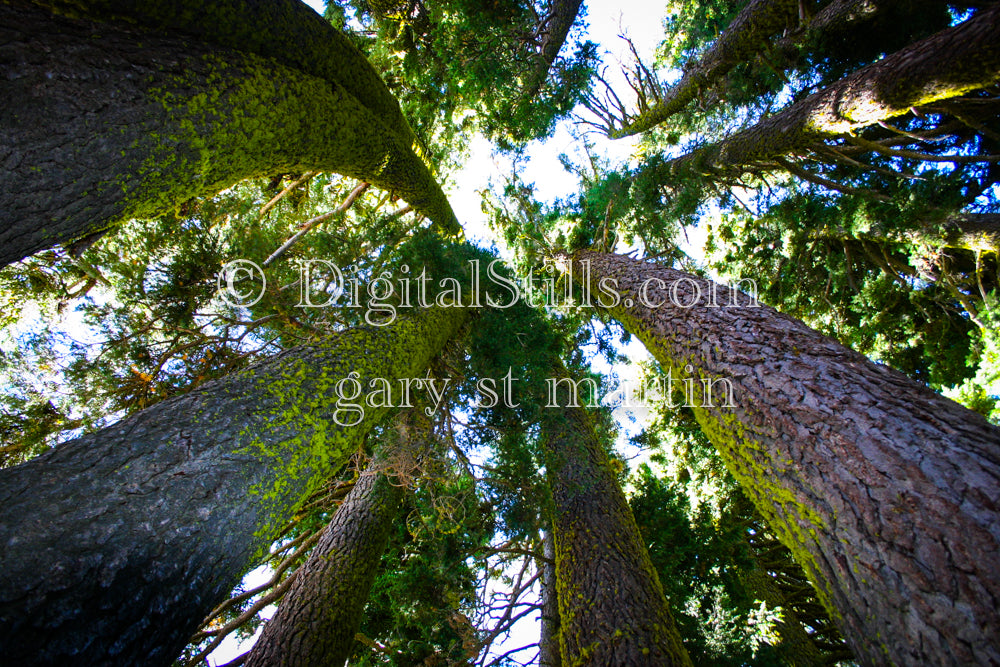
270, 399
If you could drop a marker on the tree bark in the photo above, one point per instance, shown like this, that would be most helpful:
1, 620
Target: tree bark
268, 28
611, 605
117, 544
105, 122
563, 15
548, 642
316, 621
972, 231
744, 38
950, 63
885, 492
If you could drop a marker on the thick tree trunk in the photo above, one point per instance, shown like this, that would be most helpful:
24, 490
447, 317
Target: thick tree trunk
105, 122
561, 19
948, 64
885, 492
611, 605
116, 544
316, 621
288, 31
973, 231
548, 642
745, 37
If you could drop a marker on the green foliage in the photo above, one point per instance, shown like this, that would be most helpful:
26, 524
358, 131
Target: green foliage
736, 593
458, 65
418, 606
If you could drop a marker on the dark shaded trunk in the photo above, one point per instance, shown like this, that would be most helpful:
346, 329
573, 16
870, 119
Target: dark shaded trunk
611, 605
117, 544
797, 646
267, 28
950, 63
885, 492
745, 37
560, 21
316, 621
839, 18
102, 123
548, 642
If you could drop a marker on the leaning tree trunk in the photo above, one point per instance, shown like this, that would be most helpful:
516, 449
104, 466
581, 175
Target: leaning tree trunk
561, 17
117, 544
745, 37
316, 621
797, 646
611, 605
885, 492
104, 122
950, 63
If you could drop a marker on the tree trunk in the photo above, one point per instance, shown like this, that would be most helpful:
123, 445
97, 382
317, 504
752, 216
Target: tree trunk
885, 492
797, 646
611, 605
118, 543
744, 38
316, 621
973, 231
548, 642
105, 122
563, 15
948, 64
267, 28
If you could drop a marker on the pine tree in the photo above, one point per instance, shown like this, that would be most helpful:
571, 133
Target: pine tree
880, 487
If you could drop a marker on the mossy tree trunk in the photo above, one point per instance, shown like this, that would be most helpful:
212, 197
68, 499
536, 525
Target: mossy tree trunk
548, 642
267, 28
103, 122
316, 621
118, 543
611, 605
886, 492
950, 63
745, 37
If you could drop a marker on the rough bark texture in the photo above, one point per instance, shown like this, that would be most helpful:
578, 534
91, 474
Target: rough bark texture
948, 64
548, 642
885, 492
561, 19
288, 31
316, 621
102, 123
744, 38
117, 544
611, 605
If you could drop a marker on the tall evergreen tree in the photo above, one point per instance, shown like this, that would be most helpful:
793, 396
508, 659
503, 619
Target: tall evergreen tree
882, 489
